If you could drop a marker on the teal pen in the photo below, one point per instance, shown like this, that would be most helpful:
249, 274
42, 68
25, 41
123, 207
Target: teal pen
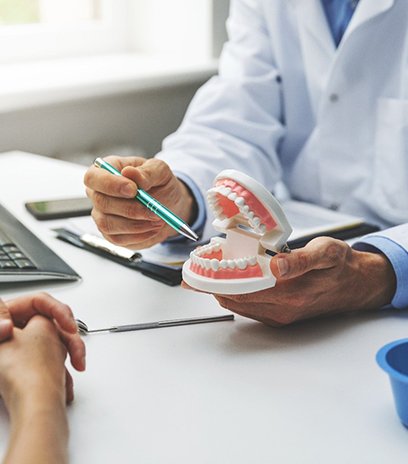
153, 205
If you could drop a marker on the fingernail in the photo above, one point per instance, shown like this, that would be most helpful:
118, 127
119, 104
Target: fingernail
127, 190
5, 328
283, 266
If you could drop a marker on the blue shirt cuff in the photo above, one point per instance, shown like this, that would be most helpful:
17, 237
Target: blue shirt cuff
398, 258
199, 223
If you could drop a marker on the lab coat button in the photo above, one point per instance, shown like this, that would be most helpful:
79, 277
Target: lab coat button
334, 206
333, 97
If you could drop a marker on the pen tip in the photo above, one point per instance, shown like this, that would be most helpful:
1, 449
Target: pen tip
187, 232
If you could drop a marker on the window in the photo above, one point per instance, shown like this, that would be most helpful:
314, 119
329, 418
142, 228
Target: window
42, 29
35, 29
14, 12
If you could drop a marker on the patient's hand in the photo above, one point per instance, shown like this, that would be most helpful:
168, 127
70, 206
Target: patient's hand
33, 385
326, 276
20, 310
126, 222
32, 361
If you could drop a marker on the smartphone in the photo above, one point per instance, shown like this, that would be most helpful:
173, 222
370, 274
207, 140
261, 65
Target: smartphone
61, 208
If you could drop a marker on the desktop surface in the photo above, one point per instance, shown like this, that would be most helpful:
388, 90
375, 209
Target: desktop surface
229, 392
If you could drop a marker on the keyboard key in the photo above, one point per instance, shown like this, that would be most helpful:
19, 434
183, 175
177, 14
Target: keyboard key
25, 264
17, 255
8, 265
10, 248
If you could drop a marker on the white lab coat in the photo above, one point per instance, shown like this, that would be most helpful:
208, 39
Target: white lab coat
288, 107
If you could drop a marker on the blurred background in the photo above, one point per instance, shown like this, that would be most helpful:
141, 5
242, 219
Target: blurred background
81, 78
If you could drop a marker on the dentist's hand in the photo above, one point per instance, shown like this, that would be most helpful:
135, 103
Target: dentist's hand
124, 221
324, 277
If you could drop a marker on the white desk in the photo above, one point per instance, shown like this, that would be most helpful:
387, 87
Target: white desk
230, 392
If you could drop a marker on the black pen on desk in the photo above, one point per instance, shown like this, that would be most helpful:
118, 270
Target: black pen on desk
153, 205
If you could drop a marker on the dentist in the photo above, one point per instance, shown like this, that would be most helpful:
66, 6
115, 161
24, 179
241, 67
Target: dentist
312, 99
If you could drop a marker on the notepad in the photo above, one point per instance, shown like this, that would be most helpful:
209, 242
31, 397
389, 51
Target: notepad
309, 220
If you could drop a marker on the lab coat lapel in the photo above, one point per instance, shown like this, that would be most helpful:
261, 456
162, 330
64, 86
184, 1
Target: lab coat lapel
366, 10
311, 18
317, 44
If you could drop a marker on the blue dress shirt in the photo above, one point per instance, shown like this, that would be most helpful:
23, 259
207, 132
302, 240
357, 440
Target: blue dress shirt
339, 13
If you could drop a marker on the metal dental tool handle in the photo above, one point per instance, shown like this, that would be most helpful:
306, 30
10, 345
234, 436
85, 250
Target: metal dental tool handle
84, 330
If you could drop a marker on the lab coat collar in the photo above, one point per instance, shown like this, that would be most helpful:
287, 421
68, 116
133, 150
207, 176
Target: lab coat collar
318, 48
311, 17
366, 10
311, 14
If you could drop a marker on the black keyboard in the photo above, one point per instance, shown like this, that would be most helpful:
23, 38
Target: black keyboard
24, 257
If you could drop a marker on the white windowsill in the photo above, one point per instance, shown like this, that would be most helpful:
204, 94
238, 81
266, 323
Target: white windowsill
27, 85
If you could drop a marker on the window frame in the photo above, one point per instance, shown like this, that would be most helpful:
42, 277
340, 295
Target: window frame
107, 35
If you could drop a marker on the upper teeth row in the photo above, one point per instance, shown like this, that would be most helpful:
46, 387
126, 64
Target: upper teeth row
254, 221
215, 264
213, 246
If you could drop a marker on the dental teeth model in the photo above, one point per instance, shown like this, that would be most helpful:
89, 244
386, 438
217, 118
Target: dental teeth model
253, 222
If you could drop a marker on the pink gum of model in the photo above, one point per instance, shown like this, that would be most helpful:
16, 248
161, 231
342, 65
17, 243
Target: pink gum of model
253, 222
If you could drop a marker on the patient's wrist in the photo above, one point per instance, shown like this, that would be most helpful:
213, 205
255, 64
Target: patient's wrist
29, 400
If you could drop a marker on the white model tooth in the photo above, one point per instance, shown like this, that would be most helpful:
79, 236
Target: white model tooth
201, 262
215, 264
207, 263
217, 210
224, 263
241, 263
232, 196
250, 214
225, 191
244, 209
252, 260
262, 228
256, 221
239, 201
231, 263
215, 246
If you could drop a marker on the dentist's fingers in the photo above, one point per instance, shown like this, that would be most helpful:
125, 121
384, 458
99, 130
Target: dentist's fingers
320, 253
105, 205
153, 173
99, 180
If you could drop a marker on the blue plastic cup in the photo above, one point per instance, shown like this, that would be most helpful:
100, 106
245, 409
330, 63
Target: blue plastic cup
393, 358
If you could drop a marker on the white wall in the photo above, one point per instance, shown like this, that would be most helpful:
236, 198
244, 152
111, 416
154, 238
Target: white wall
139, 120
